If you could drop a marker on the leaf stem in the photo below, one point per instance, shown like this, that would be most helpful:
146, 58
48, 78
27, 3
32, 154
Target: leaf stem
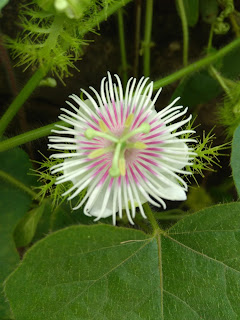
151, 217
196, 65
147, 38
21, 98
122, 46
5, 176
184, 30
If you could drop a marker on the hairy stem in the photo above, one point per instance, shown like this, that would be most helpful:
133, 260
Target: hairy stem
147, 38
184, 30
122, 46
6, 177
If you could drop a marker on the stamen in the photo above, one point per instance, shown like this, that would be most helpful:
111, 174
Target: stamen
96, 153
129, 120
136, 145
91, 133
103, 126
122, 166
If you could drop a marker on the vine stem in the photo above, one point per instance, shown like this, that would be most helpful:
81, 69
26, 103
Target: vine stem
151, 217
29, 136
21, 98
6, 177
147, 38
44, 131
122, 45
138, 7
196, 65
184, 30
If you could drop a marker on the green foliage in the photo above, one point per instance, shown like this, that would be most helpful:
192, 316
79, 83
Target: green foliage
14, 203
26, 227
198, 198
50, 38
235, 156
192, 10
189, 272
198, 88
3, 3
209, 10
206, 155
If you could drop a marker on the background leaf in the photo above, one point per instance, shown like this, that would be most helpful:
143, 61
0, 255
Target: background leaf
201, 87
104, 272
3, 3
26, 228
235, 159
14, 203
192, 11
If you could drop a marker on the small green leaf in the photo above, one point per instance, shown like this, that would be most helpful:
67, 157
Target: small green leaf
192, 10
3, 3
26, 228
209, 10
235, 159
14, 203
198, 88
192, 271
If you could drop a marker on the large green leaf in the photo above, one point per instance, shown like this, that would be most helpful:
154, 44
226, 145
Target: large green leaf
235, 159
190, 272
14, 203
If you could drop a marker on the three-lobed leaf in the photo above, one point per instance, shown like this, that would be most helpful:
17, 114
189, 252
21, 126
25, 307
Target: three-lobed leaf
192, 271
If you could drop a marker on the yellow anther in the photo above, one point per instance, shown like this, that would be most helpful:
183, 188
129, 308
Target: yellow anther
122, 166
103, 126
129, 120
96, 153
140, 145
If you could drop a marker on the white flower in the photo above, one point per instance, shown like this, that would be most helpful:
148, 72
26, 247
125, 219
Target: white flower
122, 150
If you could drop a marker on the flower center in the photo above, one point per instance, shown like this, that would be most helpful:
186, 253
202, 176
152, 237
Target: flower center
120, 144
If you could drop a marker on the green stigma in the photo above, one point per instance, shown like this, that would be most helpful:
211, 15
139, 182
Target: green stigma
120, 144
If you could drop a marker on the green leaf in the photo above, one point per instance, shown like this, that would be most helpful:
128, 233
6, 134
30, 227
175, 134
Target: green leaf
192, 271
191, 10
196, 89
235, 159
201, 87
3, 3
209, 10
14, 203
26, 228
